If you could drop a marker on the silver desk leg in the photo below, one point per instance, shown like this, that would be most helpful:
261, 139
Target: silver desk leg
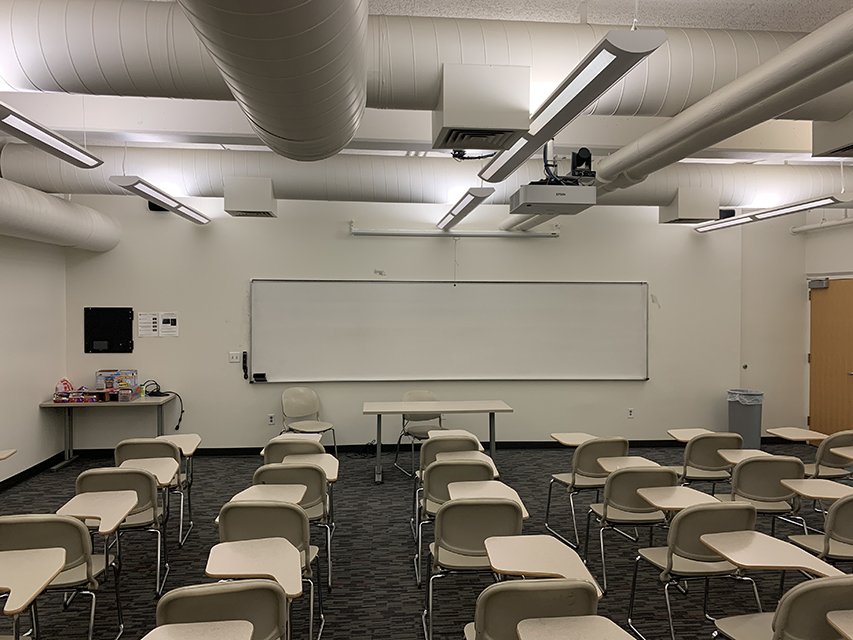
69, 440
160, 419
377, 477
492, 434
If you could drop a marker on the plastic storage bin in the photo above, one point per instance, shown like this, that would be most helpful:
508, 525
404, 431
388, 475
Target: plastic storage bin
745, 415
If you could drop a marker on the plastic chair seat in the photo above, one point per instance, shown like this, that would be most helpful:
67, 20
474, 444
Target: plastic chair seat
814, 543
430, 506
306, 562
752, 626
618, 516
310, 426
826, 472
761, 506
457, 561
685, 566
315, 512
77, 575
421, 431
140, 519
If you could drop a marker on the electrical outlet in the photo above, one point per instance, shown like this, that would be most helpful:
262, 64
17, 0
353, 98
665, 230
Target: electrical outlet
234, 357
271, 419
630, 413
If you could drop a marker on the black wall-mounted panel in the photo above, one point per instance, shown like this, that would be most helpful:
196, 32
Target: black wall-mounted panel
108, 329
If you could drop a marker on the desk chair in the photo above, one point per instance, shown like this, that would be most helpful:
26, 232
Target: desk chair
685, 556
147, 516
82, 569
261, 602
300, 408
623, 506
703, 463
277, 450
268, 519
830, 465
501, 606
140, 448
586, 474
837, 541
461, 529
417, 431
800, 614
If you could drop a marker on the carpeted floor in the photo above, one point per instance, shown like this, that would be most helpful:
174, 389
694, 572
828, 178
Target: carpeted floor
374, 594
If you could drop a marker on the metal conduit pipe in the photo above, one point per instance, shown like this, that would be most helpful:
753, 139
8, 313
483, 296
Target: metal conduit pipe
820, 226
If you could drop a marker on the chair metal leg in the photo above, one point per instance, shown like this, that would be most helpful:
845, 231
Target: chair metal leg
669, 609
320, 601
429, 609
397, 454
548, 527
586, 540
603, 563
118, 601
631, 601
708, 617
91, 613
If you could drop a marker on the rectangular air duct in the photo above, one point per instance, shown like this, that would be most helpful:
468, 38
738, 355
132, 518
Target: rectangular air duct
691, 205
833, 139
249, 197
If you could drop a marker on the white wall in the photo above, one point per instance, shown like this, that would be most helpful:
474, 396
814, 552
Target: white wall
32, 343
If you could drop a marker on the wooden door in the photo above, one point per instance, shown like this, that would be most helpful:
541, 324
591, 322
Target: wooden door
831, 357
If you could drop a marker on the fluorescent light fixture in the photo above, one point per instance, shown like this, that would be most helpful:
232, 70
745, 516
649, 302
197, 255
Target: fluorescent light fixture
467, 203
140, 187
614, 56
18, 125
781, 210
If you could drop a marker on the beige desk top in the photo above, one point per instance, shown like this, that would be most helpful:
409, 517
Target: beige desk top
293, 435
225, 630
292, 493
738, 455
467, 455
164, 469
572, 439
796, 434
841, 621
25, 574
597, 627
756, 550
485, 489
685, 435
145, 401
625, 462
273, 558
327, 461
7, 453
186, 442
109, 507
451, 433
844, 452
818, 488
538, 556
437, 406
674, 498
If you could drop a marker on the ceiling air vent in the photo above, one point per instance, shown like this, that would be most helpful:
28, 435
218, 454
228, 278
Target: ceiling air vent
249, 198
453, 138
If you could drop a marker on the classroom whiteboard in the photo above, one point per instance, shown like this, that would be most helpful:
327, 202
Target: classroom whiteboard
334, 330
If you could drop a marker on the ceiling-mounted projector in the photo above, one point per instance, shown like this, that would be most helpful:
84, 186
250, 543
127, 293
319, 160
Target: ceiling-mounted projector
551, 200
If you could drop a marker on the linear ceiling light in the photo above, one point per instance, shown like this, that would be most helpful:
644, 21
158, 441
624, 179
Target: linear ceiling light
781, 210
467, 203
614, 56
23, 128
140, 187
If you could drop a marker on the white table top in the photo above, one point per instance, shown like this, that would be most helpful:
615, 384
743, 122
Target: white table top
756, 550
164, 469
224, 630
797, 434
572, 439
841, 621
685, 435
7, 453
625, 462
25, 574
437, 406
273, 558
467, 455
597, 627
292, 493
143, 401
186, 442
109, 507
538, 556
844, 452
327, 461
818, 488
739, 455
674, 498
485, 489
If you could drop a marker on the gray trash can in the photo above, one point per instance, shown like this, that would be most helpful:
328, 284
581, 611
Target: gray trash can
745, 415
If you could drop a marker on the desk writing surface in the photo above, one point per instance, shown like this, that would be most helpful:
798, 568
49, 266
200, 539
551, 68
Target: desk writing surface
674, 498
797, 434
220, 630
739, 455
572, 439
611, 464
818, 488
485, 489
273, 558
572, 627
844, 452
26, 573
841, 621
436, 406
164, 469
7, 453
685, 435
292, 493
110, 508
186, 442
326, 461
450, 456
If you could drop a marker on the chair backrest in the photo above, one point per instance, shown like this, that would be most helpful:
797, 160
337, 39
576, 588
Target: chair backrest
311, 475
433, 446
501, 606
801, 613
759, 478
254, 519
420, 395
261, 602
441, 473
276, 450
691, 523
43, 531
137, 448
586, 455
701, 452
825, 458
839, 524
113, 479
299, 403
620, 488
462, 525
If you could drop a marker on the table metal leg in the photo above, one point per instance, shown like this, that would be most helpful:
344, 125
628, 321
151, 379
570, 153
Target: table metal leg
160, 419
492, 434
377, 477
69, 440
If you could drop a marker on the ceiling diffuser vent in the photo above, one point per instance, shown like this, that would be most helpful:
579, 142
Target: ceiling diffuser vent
476, 139
249, 197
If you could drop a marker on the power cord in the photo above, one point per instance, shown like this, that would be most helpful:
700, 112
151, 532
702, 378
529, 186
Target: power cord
152, 388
